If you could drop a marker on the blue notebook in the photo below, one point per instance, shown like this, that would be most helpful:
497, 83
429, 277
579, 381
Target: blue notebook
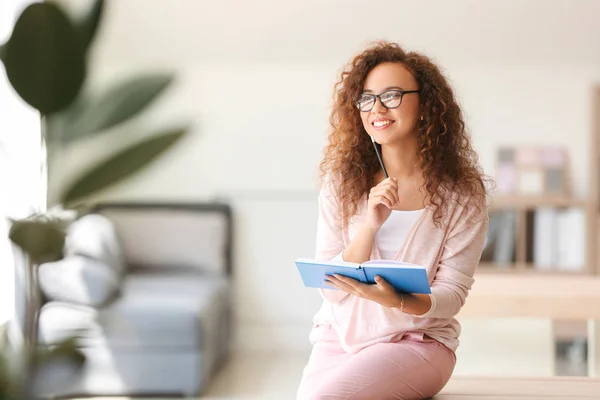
404, 277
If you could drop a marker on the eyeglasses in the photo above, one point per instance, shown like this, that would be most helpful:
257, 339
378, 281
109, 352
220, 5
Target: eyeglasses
389, 99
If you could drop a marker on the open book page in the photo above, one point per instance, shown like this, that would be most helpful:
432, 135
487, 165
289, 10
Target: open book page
337, 263
391, 264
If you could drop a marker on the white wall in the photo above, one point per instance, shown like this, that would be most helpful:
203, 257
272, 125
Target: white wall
255, 78
273, 139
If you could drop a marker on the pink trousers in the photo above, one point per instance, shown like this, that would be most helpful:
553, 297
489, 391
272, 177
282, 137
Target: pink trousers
410, 368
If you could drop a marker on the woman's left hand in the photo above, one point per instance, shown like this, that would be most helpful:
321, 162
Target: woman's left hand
381, 292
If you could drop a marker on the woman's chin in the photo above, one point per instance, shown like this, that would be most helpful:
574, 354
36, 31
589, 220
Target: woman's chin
387, 138
384, 137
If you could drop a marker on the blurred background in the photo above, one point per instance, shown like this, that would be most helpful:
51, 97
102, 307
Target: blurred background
253, 79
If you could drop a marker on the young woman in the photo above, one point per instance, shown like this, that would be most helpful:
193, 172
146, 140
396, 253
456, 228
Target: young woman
369, 341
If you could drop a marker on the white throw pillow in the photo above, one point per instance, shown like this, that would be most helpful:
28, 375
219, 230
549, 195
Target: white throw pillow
96, 237
79, 280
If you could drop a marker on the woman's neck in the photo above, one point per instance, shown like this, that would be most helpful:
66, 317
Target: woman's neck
401, 159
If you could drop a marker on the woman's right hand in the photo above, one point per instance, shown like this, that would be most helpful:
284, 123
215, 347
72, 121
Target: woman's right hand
382, 198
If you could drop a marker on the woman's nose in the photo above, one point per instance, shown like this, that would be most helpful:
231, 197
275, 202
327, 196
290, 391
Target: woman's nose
378, 106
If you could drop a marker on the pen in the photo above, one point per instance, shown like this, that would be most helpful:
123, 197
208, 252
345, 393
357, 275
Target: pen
379, 157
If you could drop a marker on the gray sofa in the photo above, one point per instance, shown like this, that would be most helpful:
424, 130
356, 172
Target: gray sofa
148, 289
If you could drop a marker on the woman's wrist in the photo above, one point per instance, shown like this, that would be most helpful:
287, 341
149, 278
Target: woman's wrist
370, 231
414, 304
401, 307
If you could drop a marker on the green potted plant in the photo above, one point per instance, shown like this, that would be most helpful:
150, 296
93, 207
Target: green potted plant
45, 59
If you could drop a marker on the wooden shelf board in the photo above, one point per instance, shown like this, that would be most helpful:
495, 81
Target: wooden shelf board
532, 295
525, 268
531, 202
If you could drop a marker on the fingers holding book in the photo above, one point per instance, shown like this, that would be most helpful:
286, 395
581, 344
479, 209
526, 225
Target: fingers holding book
381, 291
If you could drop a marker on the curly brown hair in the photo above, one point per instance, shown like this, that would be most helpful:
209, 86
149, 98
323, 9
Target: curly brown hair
446, 157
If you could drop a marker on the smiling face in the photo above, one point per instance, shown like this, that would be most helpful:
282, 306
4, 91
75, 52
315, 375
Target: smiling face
388, 126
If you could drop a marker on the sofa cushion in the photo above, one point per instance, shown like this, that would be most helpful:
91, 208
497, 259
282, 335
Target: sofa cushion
169, 310
122, 374
79, 280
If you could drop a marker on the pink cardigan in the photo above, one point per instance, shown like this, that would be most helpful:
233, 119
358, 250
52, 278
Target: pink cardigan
450, 254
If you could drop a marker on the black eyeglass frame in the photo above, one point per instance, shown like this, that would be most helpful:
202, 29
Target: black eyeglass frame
378, 96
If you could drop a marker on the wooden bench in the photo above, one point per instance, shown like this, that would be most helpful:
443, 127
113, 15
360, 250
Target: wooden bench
555, 388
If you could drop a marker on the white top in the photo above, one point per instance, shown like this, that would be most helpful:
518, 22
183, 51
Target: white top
394, 230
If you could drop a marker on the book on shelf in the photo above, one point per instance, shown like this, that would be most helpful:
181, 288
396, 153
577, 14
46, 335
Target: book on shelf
500, 241
555, 239
559, 239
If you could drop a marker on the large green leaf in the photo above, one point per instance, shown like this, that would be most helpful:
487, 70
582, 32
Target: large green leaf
89, 25
121, 165
2, 52
42, 240
44, 58
116, 105
6, 383
9, 390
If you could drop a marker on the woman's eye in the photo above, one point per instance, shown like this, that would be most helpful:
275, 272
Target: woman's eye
391, 95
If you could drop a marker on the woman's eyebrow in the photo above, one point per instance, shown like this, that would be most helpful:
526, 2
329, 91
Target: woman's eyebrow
387, 88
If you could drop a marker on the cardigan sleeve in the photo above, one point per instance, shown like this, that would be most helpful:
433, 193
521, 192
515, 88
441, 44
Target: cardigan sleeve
459, 259
330, 242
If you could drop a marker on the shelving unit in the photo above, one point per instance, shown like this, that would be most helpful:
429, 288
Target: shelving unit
525, 206
571, 299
